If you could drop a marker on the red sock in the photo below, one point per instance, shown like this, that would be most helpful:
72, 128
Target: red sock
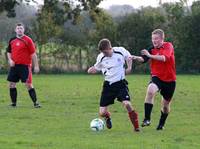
106, 115
134, 119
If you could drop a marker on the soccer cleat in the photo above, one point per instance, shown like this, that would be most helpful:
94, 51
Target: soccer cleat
37, 105
13, 105
146, 123
108, 123
160, 127
137, 129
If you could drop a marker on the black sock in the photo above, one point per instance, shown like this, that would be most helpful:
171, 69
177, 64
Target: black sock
163, 118
13, 95
32, 94
147, 109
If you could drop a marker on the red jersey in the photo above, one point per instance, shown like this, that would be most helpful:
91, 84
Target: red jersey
21, 50
165, 71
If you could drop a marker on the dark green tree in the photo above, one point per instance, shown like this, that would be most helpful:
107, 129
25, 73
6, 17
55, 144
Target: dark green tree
9, 6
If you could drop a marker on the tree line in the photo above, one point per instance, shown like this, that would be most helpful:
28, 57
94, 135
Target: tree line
67, 32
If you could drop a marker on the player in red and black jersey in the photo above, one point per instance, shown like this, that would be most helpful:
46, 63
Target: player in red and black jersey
21, 53
163, 76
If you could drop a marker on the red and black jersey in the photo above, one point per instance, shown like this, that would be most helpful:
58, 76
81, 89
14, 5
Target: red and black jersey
21, 50
165, 71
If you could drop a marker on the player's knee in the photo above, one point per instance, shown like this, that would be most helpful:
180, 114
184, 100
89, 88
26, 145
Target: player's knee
166, 109
152, 89
12, 85
28, 86
126, 104
150, 93
166, 106
102, 113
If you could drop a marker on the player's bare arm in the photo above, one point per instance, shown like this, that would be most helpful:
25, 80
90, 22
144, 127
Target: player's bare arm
129, 65
35, 63
10, 61
155, 57
137, 58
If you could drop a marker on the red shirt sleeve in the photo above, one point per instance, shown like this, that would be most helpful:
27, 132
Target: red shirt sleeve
168, 51
31, 46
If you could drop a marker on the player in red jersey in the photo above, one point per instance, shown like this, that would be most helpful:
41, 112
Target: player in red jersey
21, 53
163, 76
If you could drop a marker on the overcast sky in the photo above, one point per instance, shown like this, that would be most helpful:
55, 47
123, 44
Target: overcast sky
134, 3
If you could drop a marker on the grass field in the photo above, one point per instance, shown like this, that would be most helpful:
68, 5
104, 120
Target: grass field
70, 102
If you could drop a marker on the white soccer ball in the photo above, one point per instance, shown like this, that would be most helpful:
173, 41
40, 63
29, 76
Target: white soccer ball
97, 124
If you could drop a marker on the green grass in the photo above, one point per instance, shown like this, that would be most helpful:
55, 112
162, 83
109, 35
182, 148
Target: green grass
70, 102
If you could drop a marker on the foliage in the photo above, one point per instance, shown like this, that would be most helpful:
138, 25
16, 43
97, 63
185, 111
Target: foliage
9, 6
80, 23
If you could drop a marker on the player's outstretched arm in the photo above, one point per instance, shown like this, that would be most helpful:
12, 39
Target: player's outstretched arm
129, 65
155, 57
137, 58
92, 70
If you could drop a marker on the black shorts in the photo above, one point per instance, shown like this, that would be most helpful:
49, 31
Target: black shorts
18, 72
166, 88
117, 90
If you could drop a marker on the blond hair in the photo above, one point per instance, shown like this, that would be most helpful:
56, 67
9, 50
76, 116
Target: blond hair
159, 32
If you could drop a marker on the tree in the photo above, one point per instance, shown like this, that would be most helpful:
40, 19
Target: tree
189, 40
54, 14
104, 26
9, 6
135, 29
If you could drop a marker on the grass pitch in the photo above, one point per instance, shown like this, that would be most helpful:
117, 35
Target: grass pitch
70, 102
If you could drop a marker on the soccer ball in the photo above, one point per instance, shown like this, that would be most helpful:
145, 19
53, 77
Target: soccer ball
97, 124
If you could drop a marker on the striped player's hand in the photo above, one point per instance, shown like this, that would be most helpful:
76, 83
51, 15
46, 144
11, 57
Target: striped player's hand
92, 70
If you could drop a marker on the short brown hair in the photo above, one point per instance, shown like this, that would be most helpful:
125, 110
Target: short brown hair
104, 44
159, 32
19, 24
